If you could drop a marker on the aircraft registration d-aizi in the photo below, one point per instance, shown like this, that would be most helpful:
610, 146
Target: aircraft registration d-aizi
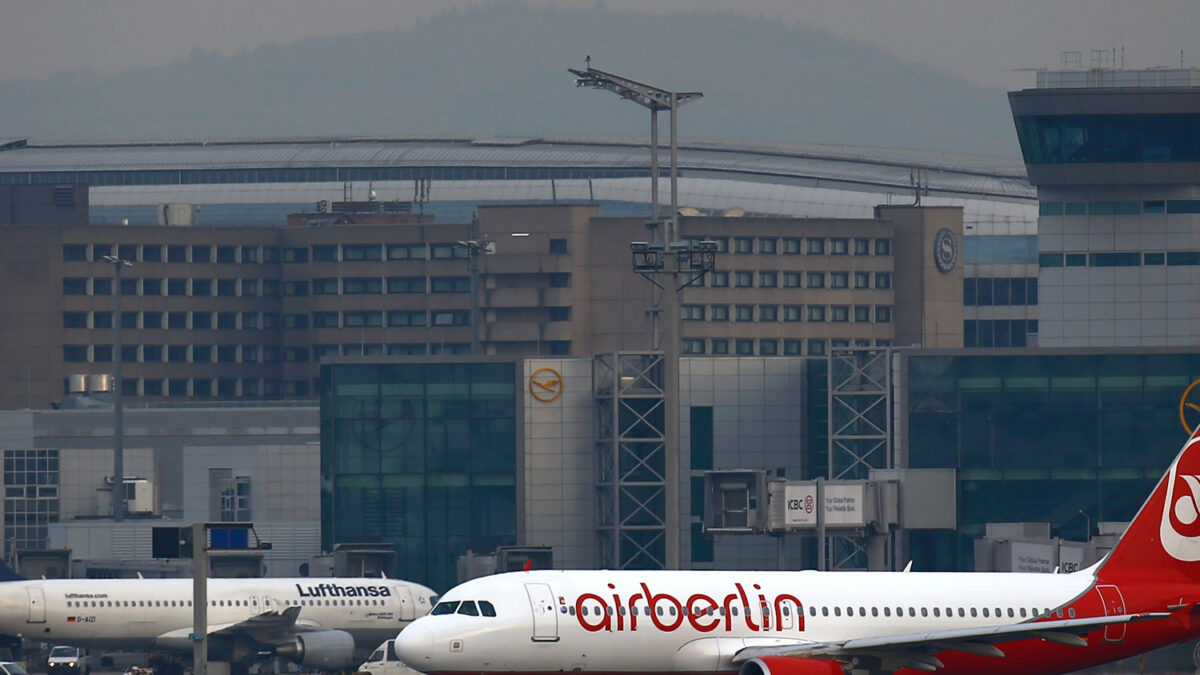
1143, 595
318, 622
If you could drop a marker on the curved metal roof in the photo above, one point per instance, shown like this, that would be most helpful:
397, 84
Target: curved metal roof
894, 168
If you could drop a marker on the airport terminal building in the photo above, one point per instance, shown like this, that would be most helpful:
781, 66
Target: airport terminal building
550, 434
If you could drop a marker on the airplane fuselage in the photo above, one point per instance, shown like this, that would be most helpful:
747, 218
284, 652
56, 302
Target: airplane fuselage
158, 613
696, 622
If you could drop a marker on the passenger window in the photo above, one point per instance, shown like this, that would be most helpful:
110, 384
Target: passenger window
1071, 612
444, 608
862, 611
1011, 614
874, 611
468, 608
925, 611
887, 611
937, 612
672, 610
570, 610
659, 610
961, 612
1022, 612
974, 612
985, 612
824, 611
837, 611
732, 610
912, 611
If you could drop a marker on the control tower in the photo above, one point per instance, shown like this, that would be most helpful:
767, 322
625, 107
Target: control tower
1115, 157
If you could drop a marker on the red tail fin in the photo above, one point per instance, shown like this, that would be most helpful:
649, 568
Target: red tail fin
1163, 541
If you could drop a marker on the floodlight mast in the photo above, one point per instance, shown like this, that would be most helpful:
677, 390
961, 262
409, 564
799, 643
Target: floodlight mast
655, 99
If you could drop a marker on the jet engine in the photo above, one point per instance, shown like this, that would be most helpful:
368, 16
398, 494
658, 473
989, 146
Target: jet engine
789, 665
326, 649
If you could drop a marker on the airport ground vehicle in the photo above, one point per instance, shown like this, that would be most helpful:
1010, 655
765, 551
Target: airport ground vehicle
68, 660
383, 661
12, 668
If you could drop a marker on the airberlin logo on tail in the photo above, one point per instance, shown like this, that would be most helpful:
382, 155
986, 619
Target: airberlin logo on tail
1181, 511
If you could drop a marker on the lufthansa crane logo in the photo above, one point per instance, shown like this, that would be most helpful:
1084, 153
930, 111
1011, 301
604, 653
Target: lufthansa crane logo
1184, 405
945, 250
545, 384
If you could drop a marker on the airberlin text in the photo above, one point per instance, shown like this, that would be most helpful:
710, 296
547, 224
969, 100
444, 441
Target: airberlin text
703, 612
328, 590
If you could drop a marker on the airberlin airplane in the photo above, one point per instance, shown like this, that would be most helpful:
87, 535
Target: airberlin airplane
1144, 595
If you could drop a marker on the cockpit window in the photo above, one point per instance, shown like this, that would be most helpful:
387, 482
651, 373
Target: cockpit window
445, 608
468, 607
376, 655
486, 609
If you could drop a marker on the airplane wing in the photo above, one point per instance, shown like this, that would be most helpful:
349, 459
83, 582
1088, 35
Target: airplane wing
917, 649
270, 628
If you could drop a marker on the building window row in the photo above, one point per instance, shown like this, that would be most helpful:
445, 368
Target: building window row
1109, 138
208, 387
800, 245
1121, 259
998, 332
180, 320
772, 347
775, 313
172, 253
810, 279
176, 286
390, 349
1120, 208
156, 353
391, 318
229, 288
1001, 291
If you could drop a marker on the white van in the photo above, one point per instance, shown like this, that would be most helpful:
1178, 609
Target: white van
65, 660
383, 661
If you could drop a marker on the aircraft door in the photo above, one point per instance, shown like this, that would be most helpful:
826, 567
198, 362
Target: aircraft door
408, 611
1114, 605
545, 620
37, 604
260, 604
787, 617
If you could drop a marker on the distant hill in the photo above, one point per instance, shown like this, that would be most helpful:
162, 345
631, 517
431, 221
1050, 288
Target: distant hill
501, 69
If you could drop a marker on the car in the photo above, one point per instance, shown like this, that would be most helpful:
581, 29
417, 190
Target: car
383, 661
64, 660
11, 668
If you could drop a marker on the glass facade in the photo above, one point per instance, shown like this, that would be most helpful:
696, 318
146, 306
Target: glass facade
31, 482
1042, 437
1074, 139
422, 456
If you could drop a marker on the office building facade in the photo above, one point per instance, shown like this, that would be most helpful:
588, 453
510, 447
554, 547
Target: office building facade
249, 313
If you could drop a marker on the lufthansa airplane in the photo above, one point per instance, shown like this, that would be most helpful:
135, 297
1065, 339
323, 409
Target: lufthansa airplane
314, 622
1144, 595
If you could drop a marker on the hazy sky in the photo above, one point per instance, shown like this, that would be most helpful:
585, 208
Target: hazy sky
986, 41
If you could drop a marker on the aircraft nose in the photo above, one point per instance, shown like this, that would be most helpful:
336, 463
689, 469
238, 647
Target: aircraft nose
414, 645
